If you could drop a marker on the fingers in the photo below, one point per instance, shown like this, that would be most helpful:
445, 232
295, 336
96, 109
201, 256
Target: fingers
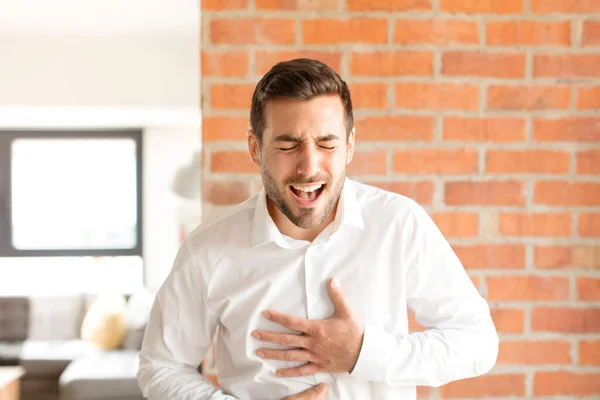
303, 370
289, 321
342, 308
283, 339
284, 355
314, 393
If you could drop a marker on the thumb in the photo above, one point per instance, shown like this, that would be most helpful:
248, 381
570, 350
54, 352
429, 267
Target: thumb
342, 308
320, 390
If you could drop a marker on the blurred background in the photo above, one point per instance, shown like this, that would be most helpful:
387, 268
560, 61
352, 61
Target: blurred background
123, 126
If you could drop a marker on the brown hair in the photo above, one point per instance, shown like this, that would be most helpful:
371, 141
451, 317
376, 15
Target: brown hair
300, 79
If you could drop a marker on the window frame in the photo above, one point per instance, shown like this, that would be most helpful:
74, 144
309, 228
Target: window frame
7, 248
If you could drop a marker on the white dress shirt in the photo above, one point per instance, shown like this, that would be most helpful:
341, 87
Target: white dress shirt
389, 257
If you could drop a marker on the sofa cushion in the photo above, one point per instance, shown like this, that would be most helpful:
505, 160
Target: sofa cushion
56, 317
104, 375
10, 353
49, 358
14, 318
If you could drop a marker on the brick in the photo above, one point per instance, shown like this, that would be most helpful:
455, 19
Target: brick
368, 163
224, 63
591, 33
231, 96
528, 33
436, 161
457, 224
527, 288
413, 324
564, 193
492, 385
588, 289
554, 257
345, 31
491, 256
391, 63
589, 224
297, 5
436, 31
508, 320
482, 7
388, 5
426, 392
369, 95
484, 129
527, 162
565, 6
535, 224
220, 5
486, 193
238, 31
566, 66
419, 191
566, 383
528, 98
476, 63
232, 162
565, 320
570, 129
222, 128
396, 129
589, 352
437, 96
532, 352
588, 98
225, 193
588, 162
267, 59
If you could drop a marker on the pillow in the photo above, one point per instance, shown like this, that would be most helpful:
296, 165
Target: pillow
104, 324
137, 313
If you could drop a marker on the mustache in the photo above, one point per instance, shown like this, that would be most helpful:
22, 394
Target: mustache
303, 180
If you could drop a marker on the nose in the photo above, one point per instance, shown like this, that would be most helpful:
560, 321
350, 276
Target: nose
309, 161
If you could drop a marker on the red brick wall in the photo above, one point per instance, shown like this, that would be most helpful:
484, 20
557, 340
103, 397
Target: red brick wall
484, 111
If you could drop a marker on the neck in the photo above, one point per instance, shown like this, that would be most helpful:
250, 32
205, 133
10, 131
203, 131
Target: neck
290, 229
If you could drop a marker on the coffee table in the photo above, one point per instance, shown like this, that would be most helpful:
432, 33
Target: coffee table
10, 383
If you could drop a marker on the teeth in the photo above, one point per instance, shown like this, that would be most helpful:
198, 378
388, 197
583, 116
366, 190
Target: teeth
307, 189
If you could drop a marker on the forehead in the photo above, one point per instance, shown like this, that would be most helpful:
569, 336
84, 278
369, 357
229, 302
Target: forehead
322, 113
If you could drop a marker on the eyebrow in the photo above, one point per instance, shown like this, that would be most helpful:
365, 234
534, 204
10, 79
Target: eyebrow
295, 139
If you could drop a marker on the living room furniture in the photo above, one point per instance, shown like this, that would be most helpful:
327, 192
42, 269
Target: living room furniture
42, 335
10, 382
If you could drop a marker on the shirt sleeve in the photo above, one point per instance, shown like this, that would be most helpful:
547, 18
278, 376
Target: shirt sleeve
459, 340
179, 333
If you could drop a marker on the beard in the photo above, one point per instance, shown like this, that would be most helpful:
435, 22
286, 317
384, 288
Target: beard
305, 218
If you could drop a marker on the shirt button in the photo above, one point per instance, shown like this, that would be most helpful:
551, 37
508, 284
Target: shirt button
313, 299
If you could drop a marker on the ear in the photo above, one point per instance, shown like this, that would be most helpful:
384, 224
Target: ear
253, 147
351, 145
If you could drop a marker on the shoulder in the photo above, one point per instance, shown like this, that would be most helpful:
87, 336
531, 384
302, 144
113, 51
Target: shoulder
229, 226
383, 202
206, 243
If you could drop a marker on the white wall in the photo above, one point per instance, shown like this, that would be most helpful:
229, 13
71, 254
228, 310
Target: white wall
109, 64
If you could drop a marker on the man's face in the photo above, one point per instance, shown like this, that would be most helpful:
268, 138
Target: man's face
303, 157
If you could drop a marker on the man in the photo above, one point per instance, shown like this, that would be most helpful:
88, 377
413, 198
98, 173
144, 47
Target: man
307, 285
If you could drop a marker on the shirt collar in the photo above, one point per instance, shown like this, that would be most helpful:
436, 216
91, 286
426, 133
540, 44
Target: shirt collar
264, 229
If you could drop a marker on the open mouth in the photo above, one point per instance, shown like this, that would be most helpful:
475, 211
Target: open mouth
307, 195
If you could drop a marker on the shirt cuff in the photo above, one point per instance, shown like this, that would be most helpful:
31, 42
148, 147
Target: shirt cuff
375, 355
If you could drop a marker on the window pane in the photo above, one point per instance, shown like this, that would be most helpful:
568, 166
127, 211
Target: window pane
74, 193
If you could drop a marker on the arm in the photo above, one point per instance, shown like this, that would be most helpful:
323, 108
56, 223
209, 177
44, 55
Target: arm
178, 336
461, 340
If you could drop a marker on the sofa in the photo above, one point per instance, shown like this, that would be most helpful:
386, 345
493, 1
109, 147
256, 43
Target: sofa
44, 336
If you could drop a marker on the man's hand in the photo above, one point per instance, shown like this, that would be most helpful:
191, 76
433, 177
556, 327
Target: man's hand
331, 345
314, 393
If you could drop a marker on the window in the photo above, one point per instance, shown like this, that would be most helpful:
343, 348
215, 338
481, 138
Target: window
70, 193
